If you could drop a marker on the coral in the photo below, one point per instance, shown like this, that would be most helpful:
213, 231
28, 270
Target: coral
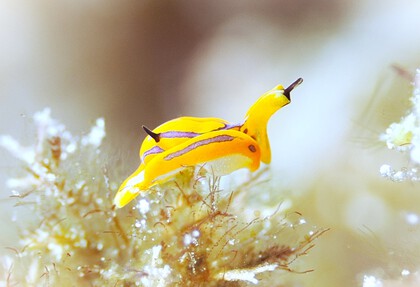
399, 266
186, 232
407, 279
404, 137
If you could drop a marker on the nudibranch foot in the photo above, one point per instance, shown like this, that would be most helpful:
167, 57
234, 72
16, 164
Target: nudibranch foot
221, 152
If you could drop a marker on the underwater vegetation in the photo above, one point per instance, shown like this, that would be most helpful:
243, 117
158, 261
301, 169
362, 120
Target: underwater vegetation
187, 232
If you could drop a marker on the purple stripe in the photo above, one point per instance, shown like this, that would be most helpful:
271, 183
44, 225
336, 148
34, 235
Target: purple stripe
176, 134
230, 126
184, 134
221, 138
153, 150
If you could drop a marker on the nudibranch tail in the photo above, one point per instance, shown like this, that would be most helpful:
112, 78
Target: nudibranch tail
130, 188
125, 196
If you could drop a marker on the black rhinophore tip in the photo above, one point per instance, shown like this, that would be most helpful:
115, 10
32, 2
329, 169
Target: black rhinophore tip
291, 87
155, 136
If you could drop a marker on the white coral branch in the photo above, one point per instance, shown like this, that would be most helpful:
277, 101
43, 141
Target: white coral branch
246, 274
404, 136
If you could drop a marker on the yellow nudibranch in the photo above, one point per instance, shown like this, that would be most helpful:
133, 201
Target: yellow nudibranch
221, 147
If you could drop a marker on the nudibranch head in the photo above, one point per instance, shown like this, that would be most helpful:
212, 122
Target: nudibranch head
257, 117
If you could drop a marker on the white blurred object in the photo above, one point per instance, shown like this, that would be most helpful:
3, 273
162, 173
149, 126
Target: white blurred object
248, 55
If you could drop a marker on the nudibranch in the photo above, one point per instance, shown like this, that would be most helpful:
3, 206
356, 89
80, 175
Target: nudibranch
215, 144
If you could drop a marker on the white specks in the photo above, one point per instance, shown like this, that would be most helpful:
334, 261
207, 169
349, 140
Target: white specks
46, 128
412, 218
405, 272
80, 184
43, 117
140, 223
399, 135
50, 177
371, 281
96, 134
25, 154
188, 239
404, 136
231, 241
70, 200
99, 247
195, 233
41, 235
82, 243
71, 147
56, 250
415, 153
191, 238
33, 271
245, 274
385, 170
417, 80
156, 275
143, 206
399, 175
14, 217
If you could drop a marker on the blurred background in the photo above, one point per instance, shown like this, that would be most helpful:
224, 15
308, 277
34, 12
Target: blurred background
145, 62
